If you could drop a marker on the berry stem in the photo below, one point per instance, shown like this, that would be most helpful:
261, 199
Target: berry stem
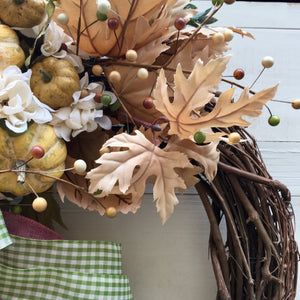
32, 189
268, 108
124, 28
118, 43
83, 30
258, 76
193, 35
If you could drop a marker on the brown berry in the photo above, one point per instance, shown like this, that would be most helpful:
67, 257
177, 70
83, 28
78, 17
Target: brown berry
229, 1
97, 97
238, 74
113, 23
148, 103
37, 152
179, 23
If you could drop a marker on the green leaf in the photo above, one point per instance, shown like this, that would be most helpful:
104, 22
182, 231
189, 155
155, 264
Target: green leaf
190, 6
98, 192
199, 18
10, 132
50, 8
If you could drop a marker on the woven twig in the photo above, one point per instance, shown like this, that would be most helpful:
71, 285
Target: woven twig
252, 244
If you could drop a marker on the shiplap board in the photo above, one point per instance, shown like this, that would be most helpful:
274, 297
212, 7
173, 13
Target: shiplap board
171, 262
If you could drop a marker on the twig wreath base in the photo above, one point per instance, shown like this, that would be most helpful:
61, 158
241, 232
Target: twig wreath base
258, 257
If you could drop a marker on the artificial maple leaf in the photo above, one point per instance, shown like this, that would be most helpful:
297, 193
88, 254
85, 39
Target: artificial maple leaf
195, 91
227, 113
98, 38
178, 11
129, 170
205, 155
92, 202
190, 94
242, 32
132, 97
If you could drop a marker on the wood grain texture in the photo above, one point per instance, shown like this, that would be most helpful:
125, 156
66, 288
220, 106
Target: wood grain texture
171, 262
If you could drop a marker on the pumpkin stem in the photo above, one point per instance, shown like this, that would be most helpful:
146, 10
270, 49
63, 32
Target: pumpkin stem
21, 167
46, 76
19, 1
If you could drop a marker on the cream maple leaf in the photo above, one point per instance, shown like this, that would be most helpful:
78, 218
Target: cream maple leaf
92, 202
130, 169
206, 155
194, 92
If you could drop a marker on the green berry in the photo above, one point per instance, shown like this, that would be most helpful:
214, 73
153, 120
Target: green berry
199, 137
105, 99
274, 120
16, 209
101, 17
217, 2
115, 106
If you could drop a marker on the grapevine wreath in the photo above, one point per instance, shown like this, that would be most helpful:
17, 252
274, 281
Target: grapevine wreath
137, 83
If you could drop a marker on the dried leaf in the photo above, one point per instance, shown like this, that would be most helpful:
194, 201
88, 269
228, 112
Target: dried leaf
91, 202
190, 94
127, 88
98, 39
242, 32
194, 92
205, 155
129, 170
227, 113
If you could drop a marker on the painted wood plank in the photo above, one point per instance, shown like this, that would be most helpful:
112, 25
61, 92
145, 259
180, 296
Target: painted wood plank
248, 14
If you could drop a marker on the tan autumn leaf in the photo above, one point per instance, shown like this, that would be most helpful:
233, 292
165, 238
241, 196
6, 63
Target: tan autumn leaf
134, 90
242, 32
178, 11
190, 94
194, 92
92, 202
227, 113
98, 39
205, 155
129, 170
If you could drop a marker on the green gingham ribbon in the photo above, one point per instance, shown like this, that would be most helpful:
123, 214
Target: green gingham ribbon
77, 256
60, 269
5, 239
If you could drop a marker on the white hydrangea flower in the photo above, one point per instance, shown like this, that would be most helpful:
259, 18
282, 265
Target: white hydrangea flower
53, 39
18, 105
84, 114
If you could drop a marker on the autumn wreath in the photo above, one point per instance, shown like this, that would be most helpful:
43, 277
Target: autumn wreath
103, 97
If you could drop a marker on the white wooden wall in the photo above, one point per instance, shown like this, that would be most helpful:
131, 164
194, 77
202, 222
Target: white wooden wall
171, 262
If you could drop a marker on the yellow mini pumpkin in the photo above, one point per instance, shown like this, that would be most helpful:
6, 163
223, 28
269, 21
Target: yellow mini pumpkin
22, 13
54, 81
14, 151
10, 51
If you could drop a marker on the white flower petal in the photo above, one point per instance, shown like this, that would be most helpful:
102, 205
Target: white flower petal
63, 132
75, 60
104, 122
87, 116
17, 127
63, 113
84, 81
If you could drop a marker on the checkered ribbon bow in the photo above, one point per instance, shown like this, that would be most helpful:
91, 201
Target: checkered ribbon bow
60, 269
